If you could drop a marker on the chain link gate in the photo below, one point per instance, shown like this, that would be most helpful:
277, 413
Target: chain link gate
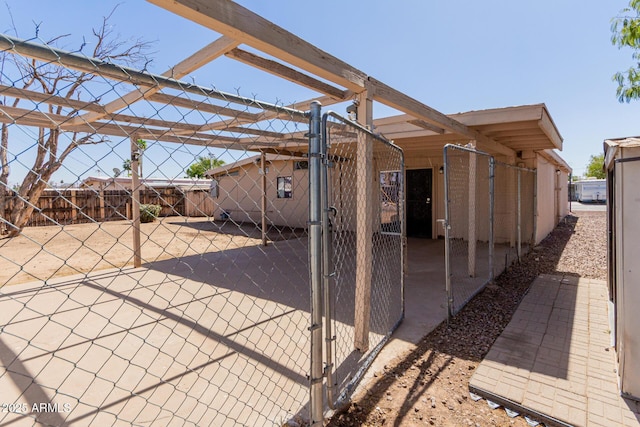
489, 220
363, 254
204, 320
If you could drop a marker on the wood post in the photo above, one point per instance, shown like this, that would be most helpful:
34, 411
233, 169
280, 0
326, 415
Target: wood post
511, 205
101, 200
364, 226
135, 200
263, 205
74, 205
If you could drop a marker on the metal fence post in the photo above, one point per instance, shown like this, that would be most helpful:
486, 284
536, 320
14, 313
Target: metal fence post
327, 264
447, 240
492, 169
535, 207
135, 199
492, 193
315, 266
519, 247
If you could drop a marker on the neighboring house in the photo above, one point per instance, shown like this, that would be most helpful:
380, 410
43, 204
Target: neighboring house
622, 163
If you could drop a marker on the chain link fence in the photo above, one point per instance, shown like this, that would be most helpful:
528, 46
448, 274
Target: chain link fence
490, 220
131, 294
514, 214
364, 260
468, 223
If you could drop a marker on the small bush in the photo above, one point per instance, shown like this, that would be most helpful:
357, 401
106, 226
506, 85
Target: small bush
149, 213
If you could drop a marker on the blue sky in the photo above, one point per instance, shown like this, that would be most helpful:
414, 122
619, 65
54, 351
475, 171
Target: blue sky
455, 56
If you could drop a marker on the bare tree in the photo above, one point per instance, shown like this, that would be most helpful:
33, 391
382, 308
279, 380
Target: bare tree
51, 151
4, 176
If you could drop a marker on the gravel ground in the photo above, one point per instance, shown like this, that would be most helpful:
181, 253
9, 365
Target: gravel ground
429, 386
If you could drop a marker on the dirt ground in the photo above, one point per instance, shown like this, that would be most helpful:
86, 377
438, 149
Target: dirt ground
40, 253
429, 386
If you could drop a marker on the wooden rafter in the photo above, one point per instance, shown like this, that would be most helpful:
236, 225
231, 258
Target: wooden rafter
233, 20
203, 105
239, 23
202, 57
288, 73
428, 126
129, 75
39, 97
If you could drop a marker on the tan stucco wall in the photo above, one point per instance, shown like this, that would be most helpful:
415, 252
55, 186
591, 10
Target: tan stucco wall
553, 204
241, 196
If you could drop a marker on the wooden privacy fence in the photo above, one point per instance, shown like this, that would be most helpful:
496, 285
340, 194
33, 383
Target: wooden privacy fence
79, 205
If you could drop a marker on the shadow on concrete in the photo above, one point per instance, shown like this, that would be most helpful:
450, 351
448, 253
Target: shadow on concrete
247, 229
32, 392
461, 338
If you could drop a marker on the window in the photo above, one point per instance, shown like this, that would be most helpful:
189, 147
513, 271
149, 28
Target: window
284, 187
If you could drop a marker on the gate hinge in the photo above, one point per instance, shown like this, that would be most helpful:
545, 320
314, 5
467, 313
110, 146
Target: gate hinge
314, 327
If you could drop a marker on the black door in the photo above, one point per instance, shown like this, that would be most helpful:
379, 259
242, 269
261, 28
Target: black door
419, 202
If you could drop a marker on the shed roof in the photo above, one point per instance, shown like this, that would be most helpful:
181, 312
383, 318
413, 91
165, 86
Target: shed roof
612, 147
249, 161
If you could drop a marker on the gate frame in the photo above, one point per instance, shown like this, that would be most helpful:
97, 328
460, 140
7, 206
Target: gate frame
451, 309
322, 272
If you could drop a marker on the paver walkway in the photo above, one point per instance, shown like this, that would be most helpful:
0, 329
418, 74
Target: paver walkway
554, 361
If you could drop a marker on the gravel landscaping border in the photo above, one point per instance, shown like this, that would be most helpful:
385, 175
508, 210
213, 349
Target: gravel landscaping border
429, 386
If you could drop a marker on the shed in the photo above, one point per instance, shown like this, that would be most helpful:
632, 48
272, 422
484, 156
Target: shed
622, 163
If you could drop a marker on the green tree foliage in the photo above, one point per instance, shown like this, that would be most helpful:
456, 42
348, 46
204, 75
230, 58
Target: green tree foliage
126, 165
594, 168
626, 33
199, 168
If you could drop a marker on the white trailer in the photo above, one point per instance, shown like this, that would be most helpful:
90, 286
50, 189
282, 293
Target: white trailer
591, 190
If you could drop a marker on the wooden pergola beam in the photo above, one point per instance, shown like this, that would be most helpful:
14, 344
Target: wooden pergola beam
203, 106
239, 23
428, 126
202, 57
39, 97
287, 73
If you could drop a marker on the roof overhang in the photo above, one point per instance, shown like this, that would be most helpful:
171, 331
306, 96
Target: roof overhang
521, 128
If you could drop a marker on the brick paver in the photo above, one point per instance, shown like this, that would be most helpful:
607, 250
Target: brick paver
554, 361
